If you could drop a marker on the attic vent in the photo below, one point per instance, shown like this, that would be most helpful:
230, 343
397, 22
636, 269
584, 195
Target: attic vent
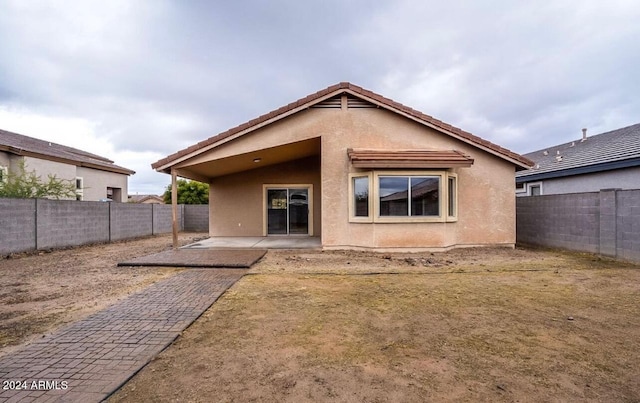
331, 103
336, 103
353, 102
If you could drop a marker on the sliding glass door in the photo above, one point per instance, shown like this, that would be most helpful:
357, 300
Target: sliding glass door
287, 211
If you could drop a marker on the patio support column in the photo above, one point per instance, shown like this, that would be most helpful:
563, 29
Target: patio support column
174, 207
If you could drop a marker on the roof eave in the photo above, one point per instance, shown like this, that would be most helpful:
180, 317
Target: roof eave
587, 169
165, 164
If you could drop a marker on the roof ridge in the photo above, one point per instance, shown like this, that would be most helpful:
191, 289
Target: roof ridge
345, 85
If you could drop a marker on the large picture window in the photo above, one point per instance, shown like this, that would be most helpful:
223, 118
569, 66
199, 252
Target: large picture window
403, 196
409, 196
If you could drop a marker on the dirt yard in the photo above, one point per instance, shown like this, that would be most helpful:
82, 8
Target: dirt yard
41, 291
468, 325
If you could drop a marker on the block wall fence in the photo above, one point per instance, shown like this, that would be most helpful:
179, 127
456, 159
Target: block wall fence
40, 224
605, 222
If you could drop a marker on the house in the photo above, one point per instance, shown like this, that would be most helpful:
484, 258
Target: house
96, 178
357, 170
146, 199
588, 164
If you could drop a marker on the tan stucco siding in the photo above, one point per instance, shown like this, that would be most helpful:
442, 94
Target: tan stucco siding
305, 125
96, 183
486, 212
236, 201
486, 201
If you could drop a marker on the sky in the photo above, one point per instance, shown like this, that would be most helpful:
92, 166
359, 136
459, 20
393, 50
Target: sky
135, 81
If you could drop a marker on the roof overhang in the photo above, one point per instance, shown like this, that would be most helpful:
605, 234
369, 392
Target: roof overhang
86, 164
417, 159
165, 164
205, 171
524, 177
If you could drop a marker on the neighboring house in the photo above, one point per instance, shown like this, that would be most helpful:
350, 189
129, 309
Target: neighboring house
96, 177
589, 164
357, 170
146, 199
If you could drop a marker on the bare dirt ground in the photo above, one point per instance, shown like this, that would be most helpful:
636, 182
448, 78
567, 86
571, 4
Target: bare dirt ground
467, 325
41, 291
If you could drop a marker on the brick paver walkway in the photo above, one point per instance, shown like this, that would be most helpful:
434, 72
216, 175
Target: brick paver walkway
90, 359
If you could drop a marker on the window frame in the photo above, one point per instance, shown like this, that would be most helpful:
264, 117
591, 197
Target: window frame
407, 219
374, 196
79, 190
534, 185
452, 217
352, 200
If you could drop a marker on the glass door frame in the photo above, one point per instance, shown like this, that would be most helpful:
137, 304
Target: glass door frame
282, 186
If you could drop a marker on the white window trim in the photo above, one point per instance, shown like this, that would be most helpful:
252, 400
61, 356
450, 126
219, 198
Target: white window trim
522, 190
534, 184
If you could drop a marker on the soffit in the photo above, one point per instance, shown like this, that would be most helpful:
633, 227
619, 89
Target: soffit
247, 161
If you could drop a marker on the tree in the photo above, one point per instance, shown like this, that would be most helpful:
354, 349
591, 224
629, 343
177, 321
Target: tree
189, 192
23, 184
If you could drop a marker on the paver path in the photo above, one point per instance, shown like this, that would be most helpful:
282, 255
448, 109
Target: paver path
90, 359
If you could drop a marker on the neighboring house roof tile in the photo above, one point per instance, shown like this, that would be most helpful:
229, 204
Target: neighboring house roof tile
19, 144
518, 159
613, 149
144, 198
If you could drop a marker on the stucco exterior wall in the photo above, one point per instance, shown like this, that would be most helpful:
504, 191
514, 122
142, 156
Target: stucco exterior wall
236, 201
5, 159
96, 183
486, 200
44, 168
486, 203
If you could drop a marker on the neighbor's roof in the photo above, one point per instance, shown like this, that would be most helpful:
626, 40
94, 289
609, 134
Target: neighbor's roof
19, 144
344, 87
611, 150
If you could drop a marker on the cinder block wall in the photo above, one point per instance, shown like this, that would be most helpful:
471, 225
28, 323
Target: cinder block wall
196, 217
63, 223
129, 220
628, 225
33, 224
162, 219
17, 225
605, 222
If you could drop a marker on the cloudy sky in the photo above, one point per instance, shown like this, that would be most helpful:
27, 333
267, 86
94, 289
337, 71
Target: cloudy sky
138, 80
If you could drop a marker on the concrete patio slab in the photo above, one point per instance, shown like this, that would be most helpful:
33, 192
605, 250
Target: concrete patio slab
266, 242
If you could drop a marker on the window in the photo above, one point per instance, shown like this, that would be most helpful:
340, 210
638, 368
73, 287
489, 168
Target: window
452, 192
535, 189
79, 188
409, 196
4, 173
361, 196
402, 196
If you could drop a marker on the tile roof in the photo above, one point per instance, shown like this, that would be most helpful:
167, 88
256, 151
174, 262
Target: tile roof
19, 144
408, 158
614, 146
519, 160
